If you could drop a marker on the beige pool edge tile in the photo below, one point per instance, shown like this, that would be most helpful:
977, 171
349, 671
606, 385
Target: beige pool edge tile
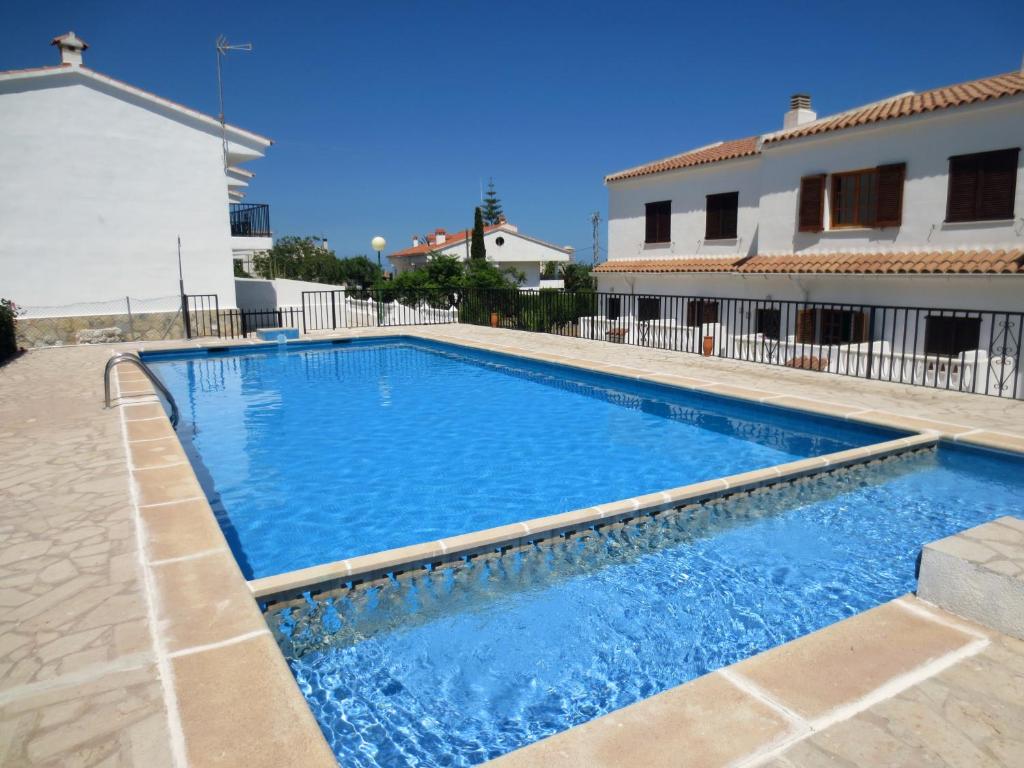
181, 529
158, 452
149, 429
1000, 441
240, 705
820, 674
166, 484
706, 723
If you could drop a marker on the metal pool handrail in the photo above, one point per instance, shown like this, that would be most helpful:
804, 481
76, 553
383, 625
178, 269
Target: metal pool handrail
129, 357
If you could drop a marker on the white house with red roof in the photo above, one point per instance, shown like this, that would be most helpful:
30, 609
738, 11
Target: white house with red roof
915, 201
99, 179
505, 245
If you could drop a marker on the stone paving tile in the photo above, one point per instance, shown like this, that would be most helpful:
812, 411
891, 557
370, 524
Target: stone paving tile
73, 611
968, 716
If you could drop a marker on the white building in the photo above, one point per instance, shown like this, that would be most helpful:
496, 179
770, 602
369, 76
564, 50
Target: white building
913, 201
99, 179
505, 245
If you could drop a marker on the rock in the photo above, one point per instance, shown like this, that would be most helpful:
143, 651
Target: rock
99, 335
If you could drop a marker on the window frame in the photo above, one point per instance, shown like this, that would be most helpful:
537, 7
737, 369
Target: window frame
722, 234
979, 187
654, 207
833, 194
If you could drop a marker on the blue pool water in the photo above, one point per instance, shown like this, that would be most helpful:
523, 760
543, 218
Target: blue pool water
461, 665
312, 454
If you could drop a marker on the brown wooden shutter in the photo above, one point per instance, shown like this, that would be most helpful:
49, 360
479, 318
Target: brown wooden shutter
651, 235
713, 225
963, 188
805, 322
861, 327
997, 184
812, 203
889, 212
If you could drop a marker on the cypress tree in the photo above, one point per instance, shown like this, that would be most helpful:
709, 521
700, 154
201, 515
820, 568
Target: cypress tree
492, 205
476, 247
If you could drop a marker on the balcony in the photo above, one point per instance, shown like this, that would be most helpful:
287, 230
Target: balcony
249, 219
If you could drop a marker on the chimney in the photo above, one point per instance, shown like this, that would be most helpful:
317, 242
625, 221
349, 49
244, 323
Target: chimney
800, 111
439, 236
415, 240
71, 47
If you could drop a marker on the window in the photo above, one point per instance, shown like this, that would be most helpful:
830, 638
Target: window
872, 197
982, 186
701, 311
648, 309
949, 336
831, 326
722, 210
854, 197
659, 222
499, 240
768, 323
614, 307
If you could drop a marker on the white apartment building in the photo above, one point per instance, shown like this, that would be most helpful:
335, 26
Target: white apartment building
913, 201
99, 179
505, 245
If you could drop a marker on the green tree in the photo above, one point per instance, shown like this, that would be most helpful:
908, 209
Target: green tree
304, 258
550, 271
477, 251
492, 210
577, 278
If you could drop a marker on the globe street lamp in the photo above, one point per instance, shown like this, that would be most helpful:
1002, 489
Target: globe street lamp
378, 243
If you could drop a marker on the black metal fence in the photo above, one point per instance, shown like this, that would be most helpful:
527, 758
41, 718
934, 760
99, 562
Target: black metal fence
249, 219
330, 310
204, 318
965, 350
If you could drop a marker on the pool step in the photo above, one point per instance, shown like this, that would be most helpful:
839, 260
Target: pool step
979, 574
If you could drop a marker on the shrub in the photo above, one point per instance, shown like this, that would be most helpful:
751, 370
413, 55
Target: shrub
8, 340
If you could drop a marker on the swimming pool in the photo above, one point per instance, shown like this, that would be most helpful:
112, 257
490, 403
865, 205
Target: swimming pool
312, 453
460, 665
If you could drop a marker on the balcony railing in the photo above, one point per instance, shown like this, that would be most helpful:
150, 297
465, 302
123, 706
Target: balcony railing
250, 219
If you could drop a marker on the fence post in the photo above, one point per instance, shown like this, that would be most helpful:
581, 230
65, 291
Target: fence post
131, 324
185, 317
334, 310
871, 340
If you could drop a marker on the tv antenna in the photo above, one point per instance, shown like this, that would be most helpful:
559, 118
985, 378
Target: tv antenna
223, 47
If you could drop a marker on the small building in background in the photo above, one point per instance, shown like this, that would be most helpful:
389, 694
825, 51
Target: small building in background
505, 245
98, 180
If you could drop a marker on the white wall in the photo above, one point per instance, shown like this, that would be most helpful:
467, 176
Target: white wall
95, 190
925, 144
687, 189
253, 293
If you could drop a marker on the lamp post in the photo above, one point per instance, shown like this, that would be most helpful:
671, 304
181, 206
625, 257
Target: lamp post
378, 244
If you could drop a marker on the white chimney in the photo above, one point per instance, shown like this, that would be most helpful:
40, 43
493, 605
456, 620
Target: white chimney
439, 237
415, 241
71, 47
800, 111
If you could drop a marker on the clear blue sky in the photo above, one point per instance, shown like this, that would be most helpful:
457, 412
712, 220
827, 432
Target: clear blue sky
387, 115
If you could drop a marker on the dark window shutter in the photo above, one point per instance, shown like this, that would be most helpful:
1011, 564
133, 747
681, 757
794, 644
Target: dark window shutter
713, 224
658, 222
812, 203
805, 322
889, 212
651, 234
963, 188
997, 184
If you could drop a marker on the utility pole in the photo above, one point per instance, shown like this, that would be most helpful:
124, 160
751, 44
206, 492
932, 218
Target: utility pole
223, 47
595, 220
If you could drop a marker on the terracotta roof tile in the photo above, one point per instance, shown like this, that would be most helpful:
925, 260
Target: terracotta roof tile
726, 150
1009, 261
693, 264
983, 262
985, 89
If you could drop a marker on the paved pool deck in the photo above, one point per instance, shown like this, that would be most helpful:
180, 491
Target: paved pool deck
127, 636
